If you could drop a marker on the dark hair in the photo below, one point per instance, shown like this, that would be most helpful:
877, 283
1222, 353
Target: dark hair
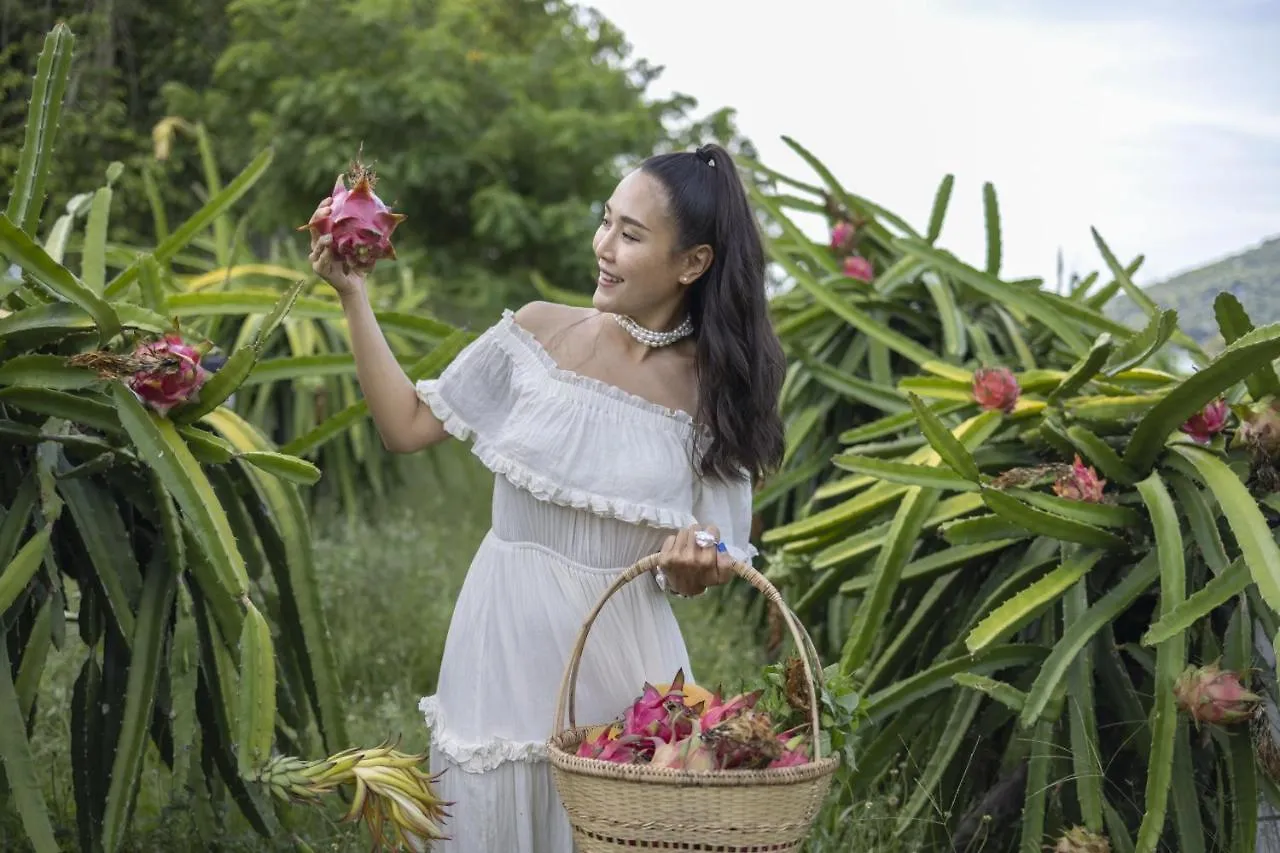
740, 363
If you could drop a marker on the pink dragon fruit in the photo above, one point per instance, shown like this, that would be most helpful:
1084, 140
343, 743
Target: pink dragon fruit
1081, 484
856, 266
794, 751
687, 753
718, 709
842, 234
171, 373
361, 224
1208, 422
996, 389
1212, 695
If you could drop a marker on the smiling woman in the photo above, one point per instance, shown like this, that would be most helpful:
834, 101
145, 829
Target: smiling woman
614, 432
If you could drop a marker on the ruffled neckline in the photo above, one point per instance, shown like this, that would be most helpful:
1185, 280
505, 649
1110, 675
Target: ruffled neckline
591, 383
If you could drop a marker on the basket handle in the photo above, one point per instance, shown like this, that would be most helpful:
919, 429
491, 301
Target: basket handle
812, 671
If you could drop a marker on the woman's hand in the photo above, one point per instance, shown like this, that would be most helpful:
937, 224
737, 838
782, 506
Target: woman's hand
689, 567
326, 265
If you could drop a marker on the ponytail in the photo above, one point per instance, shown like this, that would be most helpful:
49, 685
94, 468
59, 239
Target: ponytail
740, 362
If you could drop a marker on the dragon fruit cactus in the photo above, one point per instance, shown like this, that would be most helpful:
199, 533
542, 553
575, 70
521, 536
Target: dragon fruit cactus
1081, 483
1212, 695
996, 389
360, 223
170, 373
1078, 839
858, 267
1208, 422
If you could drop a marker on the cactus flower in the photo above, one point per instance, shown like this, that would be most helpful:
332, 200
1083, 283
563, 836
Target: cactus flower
1212, 695
856, 266
1208, 422
361, 224
842, 235
171, 373
1078, 839
392, 795
996, 388
1081, 483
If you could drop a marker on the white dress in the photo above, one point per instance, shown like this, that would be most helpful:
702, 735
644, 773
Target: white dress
589, 479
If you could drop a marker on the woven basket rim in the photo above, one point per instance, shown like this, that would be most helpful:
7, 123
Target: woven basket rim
560, 755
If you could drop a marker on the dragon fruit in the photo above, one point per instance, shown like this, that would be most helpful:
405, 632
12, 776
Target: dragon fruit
745, 740
719, 710
1212, 695
858, 267
687, 753
1081, 483
1208, 422
360, 223
842, 234
1078, 839
996, 388
170, 374
794, 751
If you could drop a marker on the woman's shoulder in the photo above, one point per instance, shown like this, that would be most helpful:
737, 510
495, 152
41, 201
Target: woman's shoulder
545, 320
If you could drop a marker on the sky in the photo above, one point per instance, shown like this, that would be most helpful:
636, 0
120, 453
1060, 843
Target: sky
1155, 121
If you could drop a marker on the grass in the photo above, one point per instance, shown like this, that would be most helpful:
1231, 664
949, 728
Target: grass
388, 586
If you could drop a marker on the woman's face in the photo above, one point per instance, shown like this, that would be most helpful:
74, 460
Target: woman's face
641, 273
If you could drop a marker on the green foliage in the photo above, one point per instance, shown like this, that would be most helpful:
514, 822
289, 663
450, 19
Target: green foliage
1015, 639
297, 382
496, 126
1252, 276
178, 544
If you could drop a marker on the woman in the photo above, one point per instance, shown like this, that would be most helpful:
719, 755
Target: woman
616, 432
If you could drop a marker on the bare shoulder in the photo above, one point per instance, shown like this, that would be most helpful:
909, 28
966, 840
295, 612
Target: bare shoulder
545, 320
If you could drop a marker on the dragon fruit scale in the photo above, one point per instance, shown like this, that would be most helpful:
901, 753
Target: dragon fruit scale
169, 373
996, 389
360, 223
1212, 695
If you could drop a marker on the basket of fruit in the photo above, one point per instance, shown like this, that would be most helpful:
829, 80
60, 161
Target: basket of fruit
686, 769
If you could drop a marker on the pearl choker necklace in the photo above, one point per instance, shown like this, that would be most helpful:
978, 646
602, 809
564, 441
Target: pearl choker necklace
650, 338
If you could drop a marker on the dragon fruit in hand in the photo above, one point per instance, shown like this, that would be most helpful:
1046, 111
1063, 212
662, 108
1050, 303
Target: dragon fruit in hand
360, 223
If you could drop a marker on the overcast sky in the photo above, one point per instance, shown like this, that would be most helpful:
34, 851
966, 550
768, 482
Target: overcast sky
1157, 121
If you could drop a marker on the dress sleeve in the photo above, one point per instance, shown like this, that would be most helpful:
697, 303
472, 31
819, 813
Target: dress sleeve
474, 395
728, 505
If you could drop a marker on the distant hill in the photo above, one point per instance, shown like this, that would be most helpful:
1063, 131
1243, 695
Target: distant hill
1253, 276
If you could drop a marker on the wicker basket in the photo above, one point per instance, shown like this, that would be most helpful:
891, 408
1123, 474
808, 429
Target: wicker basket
633, 806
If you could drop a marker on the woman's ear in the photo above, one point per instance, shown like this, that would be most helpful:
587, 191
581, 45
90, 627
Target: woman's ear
696, 262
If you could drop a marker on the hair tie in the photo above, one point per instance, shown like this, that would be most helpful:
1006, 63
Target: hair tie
705, 155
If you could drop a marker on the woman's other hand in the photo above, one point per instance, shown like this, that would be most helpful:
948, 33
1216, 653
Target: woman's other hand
691, 567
